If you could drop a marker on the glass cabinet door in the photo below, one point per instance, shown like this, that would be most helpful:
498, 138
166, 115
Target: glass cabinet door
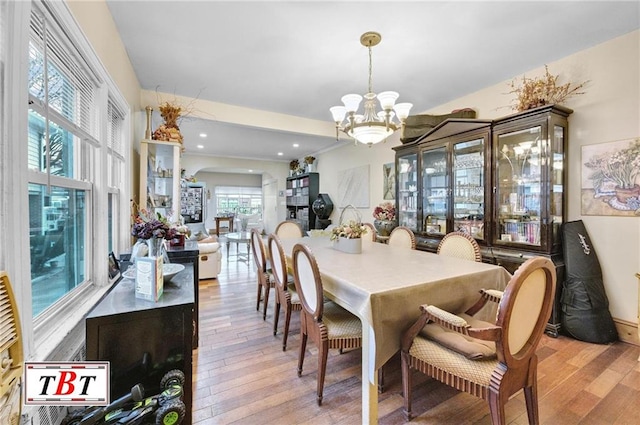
519, 179
408, 191
435, 192
469, 187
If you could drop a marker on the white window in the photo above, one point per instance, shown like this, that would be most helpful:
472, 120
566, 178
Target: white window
64, 154
238, 200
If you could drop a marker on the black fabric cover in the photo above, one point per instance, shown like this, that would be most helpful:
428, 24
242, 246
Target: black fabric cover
585, 306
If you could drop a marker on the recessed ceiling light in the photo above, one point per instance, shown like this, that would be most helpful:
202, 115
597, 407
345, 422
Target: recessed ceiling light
203, 135
295, 145
280, 154
200, 147
251, 171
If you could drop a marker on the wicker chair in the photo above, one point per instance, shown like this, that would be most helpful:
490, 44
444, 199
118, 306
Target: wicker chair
289, 230
327, 324
371, 234
402, 237
460, 245
11, 354
286, 296
265, 277
490, 361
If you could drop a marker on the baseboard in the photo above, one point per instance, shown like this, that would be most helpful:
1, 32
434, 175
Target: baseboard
627, 331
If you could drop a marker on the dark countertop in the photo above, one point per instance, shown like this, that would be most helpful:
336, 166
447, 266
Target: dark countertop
121, 298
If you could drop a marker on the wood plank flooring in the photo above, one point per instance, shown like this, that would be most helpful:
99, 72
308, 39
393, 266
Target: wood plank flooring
242, 376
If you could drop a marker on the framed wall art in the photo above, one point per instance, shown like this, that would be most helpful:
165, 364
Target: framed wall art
388, 181
611, 178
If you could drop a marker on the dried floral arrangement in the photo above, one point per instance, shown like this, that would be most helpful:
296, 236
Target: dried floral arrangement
294, 165
169, 130
535, 92
309, 159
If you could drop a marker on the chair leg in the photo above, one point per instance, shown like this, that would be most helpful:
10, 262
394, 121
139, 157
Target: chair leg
323, 352
287, 319
267, 289
531, 399
276, 314
259, 296
406, 385
496, 408
303, 348
381, 379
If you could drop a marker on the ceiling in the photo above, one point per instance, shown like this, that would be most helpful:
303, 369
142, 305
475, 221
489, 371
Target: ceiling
299, 58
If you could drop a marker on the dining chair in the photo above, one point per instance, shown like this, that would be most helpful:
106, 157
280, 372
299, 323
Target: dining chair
371, 234
286, 295
402, 237
492, 361
327, 324
265, 277
460, 245
289, 230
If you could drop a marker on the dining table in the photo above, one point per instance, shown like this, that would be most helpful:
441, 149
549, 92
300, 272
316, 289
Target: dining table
384, 286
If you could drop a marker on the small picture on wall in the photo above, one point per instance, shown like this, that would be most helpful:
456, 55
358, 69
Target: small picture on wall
389, 181
610, 178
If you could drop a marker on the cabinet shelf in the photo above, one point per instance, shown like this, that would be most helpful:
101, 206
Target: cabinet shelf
160, 177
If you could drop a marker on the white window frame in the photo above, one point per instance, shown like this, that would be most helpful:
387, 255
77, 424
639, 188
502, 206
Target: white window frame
42, 336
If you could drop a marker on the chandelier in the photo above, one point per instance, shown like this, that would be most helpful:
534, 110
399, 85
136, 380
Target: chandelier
371, 127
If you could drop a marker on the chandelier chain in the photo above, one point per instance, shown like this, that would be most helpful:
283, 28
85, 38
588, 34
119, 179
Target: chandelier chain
370, 71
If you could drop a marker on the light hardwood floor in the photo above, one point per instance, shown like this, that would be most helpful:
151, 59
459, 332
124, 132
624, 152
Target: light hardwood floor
241, 374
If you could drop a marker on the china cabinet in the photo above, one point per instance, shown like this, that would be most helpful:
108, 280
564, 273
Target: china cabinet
302, 191
502, 181
160, 177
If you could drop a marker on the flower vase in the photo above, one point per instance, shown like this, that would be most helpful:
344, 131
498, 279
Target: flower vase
384, 227
348, 245
309, 168
623, 195
178, 240
156, 247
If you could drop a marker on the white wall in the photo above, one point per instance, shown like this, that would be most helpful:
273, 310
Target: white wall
608, 111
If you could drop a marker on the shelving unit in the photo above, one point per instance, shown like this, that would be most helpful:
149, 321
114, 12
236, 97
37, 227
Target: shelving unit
160, 177
302, 191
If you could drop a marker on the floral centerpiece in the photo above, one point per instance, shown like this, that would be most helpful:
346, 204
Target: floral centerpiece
385, 218
352, 230
348, 237
153, 229
385, 211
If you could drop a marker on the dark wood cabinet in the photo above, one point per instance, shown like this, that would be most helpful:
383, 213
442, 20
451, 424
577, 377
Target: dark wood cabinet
302, 191
143, 340
502, 181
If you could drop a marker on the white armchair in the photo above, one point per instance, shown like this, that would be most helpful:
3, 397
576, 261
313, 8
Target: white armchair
253, 221
210, 260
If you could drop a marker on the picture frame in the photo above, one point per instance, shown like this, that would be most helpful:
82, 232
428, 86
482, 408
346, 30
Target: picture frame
611, 178
114, 268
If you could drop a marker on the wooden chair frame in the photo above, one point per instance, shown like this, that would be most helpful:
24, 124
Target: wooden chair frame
514, 370
284, 297
289, 230
265, 279
311, 316
466, 238
398, 230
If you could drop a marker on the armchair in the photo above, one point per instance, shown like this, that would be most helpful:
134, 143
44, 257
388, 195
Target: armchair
490, 361
248, 222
